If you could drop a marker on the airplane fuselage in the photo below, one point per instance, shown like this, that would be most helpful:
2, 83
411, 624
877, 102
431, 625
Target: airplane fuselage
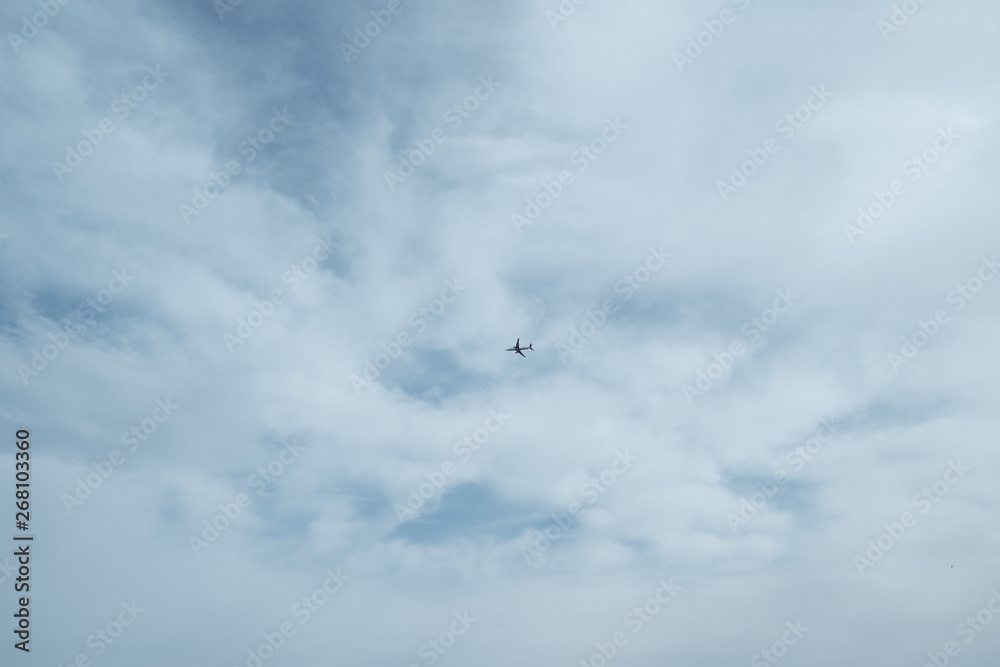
517, 348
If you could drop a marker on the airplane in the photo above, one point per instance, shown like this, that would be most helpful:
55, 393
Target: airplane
517, 348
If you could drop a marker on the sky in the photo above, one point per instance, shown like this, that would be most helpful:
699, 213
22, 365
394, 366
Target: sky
262, 262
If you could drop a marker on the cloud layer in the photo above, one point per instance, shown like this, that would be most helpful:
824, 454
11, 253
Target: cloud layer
263, 260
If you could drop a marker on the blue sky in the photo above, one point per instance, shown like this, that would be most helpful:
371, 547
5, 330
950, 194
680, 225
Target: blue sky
262, 268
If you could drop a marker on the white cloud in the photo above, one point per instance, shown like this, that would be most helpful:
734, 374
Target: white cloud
323, 177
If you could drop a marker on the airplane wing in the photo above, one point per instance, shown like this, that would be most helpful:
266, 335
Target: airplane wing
521, 353
518, 343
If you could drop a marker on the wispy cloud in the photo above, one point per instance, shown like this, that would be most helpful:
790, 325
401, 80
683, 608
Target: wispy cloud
323, 224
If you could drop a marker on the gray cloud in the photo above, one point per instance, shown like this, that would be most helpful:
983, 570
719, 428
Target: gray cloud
321, 179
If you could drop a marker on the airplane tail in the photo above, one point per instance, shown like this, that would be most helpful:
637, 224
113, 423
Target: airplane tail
529, 346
